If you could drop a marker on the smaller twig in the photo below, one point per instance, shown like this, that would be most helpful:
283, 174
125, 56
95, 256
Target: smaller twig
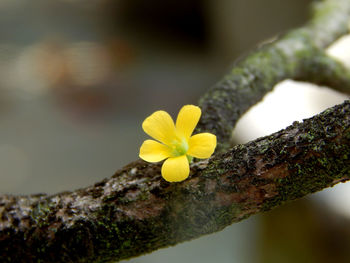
323, 70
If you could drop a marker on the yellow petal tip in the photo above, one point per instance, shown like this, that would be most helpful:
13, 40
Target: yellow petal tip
176, 169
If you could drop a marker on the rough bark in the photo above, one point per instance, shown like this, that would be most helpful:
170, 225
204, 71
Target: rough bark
136, 211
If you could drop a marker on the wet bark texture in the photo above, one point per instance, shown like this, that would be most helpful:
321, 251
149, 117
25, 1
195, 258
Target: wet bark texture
136, 211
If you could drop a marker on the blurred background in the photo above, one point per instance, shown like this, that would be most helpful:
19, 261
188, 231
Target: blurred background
78, 78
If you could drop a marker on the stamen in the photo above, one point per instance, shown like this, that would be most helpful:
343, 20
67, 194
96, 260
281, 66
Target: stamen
179, 147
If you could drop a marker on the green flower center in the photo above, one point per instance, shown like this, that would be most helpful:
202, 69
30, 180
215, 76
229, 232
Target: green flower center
179, 147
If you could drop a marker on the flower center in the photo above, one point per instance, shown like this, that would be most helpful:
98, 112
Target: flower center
179, 147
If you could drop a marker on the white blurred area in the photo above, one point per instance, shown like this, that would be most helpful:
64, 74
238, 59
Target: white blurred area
289, 101
294, 101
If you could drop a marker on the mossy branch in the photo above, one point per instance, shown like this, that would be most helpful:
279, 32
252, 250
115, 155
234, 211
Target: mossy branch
299, 55
136, 211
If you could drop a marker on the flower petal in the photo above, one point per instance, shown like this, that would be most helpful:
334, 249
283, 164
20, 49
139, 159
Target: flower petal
152, 151
160, 126
202, 145
187, 119
176, 169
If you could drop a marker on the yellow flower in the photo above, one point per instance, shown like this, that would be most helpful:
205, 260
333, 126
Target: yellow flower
176, 144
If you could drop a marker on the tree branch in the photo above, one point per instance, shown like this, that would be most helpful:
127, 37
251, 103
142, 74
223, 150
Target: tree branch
136, 212
298, 55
